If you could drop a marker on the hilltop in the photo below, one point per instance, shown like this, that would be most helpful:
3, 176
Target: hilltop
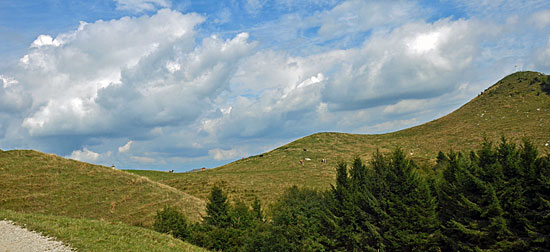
517, 107
35, 182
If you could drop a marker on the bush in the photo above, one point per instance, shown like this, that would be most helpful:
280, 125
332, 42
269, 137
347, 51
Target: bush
172, 221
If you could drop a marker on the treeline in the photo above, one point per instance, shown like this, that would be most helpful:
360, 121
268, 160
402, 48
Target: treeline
492, 199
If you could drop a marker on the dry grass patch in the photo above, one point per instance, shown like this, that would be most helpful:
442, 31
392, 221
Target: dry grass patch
42, 183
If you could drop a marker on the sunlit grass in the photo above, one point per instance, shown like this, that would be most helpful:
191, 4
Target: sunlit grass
97, 236
42, 183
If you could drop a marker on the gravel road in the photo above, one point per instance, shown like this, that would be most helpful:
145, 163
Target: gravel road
16, 239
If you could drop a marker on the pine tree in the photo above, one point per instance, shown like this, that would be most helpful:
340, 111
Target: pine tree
412, 223
299, 223
354, 210
217, 209
470, 211
538, 198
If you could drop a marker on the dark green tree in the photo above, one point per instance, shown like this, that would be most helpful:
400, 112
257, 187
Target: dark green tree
299, 223
469, 209
412, 223
171, 221
217, 209
353, 209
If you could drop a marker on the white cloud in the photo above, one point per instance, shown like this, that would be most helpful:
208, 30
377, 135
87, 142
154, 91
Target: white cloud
277, 94
355, 16
84, 155
126, 147
192, 98
142, 5
142, 77
541, 57
540, 19
45, 40
220, 154
254, 6
146, 160
13, 98
417, 60
405, 106
383, 127
7, 81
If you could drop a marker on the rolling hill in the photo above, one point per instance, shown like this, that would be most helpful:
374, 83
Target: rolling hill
517, 107
34, 182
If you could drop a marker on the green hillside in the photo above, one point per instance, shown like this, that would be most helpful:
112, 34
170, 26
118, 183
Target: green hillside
97, 236
517, 107
34, 182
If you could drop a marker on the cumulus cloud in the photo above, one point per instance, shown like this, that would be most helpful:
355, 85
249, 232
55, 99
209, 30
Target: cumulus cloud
142, 5
418, 61
13, 97
221, 154
7, 81
84, 155
191, 98
126, 147
140, 78
45, 40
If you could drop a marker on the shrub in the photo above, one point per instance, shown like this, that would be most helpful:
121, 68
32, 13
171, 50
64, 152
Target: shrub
172, 221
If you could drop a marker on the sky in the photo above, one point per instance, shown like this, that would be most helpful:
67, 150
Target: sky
166, 84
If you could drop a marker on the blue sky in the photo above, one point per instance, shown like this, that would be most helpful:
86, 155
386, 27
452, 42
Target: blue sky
161, 84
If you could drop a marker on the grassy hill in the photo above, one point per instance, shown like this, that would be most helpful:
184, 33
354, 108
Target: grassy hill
97, 236
517, 107
35, 182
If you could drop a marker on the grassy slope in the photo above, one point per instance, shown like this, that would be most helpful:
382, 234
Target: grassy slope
43, 183
97, 236
514, 107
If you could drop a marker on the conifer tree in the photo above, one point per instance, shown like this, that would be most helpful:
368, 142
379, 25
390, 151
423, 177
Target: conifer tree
217, 209
353, 208
412, 223
538, 198
512, 194
470, 211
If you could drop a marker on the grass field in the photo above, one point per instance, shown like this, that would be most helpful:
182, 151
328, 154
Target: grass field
35, 182
98, 236
515, 107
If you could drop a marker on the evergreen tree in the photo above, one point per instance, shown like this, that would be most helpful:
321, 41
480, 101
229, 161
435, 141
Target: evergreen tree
512, 194
470, 211
299, 223
217, 209
538, 198
354, 210
412, 223
172, 221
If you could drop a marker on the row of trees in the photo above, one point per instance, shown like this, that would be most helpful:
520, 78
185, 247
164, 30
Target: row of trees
495, 199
